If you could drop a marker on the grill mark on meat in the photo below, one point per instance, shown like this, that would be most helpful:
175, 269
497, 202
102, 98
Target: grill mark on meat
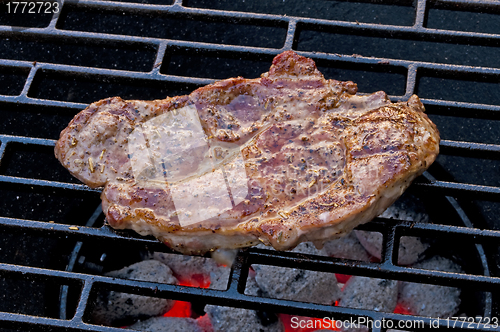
280, 159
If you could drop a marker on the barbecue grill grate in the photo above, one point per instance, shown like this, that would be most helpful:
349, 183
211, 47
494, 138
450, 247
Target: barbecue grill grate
161, 54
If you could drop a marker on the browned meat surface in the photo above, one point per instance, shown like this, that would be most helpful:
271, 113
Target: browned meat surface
284, 158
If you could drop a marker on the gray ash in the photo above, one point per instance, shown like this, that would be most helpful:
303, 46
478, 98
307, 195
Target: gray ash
171, 324
114, 308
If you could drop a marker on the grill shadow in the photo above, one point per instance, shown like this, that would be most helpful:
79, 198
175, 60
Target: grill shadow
175, 26
210, 64
90, 88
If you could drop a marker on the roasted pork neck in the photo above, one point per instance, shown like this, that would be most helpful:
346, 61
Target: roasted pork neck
280, 159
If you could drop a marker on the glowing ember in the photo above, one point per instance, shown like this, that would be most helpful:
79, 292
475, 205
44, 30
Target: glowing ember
196, 280
342, 278
306, 324
400, 309
291, 323
180, 309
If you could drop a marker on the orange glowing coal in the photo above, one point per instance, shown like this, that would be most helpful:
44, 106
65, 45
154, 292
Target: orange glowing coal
181, 308
294, 323
402, 310
195, 280
342, 278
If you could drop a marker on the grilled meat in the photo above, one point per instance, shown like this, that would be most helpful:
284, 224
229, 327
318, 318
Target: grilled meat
284, 158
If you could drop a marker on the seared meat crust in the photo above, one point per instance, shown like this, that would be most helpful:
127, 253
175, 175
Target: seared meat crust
298, 158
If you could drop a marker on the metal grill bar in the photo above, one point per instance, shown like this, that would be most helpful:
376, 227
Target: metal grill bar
18, 320
45, 183
469, 149
416, 30
154, 42
233, 297
258, 256
461, 190
460, 108
22, 320
107, 234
